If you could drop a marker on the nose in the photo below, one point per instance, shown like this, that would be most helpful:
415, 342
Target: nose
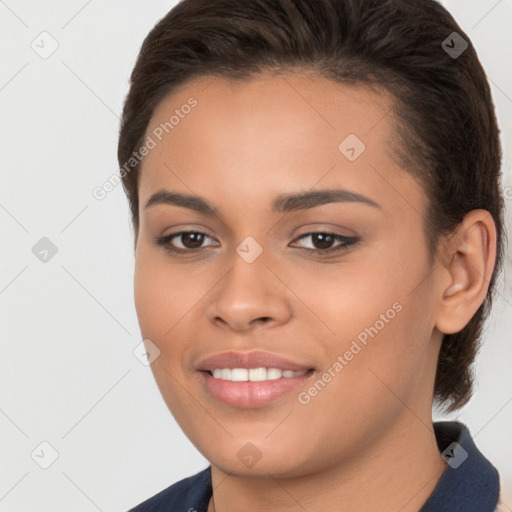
250, 296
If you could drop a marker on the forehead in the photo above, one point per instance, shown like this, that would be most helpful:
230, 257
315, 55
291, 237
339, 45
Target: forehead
272, 132
271, 101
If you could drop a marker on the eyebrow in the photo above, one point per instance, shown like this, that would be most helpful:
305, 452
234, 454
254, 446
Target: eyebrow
282, 203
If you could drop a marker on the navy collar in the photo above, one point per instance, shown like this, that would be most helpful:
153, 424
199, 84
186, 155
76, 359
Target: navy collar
470, 483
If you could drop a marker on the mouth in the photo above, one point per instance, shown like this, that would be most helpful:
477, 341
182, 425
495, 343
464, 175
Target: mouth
254, 374
251, 380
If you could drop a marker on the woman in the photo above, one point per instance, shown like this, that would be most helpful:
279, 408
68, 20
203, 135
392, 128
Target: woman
314, 190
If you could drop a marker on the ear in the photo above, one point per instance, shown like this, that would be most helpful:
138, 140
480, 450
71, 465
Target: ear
469, 256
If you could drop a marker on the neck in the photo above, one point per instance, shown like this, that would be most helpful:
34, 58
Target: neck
398, 473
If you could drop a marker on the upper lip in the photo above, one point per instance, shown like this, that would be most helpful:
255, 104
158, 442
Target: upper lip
255, 359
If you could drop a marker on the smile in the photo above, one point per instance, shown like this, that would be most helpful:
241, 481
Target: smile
254, 374
251, 379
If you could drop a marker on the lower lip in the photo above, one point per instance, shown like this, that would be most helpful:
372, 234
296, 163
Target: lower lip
249, 394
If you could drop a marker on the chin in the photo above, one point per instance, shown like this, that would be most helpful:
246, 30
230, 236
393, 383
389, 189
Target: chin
245, 458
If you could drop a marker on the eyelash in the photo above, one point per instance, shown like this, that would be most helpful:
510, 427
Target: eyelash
346, 242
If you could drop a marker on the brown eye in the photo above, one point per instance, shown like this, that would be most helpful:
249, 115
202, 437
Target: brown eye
191, 240
184, 241
322, 242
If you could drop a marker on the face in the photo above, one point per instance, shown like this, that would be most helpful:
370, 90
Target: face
306, 253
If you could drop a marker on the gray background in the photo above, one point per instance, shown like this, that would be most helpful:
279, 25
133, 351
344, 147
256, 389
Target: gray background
68, 373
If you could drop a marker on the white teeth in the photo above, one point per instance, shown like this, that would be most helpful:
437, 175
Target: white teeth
257, 374
274, 373
239, 374
254, 374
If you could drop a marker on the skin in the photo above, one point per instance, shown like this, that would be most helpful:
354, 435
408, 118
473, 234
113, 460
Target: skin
365, 442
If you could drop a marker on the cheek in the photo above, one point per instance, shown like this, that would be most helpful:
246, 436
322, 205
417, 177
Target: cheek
383, 319
152, 296
162, 300
163, 295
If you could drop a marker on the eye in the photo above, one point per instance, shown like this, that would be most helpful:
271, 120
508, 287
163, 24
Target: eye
190, 241
322, 242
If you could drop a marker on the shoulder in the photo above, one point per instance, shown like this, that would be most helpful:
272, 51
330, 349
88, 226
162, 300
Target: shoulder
188, 495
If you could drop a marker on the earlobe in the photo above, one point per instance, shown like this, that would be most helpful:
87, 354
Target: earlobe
470, 258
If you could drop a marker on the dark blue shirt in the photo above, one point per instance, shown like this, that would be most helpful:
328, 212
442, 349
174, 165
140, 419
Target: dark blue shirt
470, 483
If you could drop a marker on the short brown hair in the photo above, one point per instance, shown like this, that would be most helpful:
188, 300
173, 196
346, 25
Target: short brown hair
448, 134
